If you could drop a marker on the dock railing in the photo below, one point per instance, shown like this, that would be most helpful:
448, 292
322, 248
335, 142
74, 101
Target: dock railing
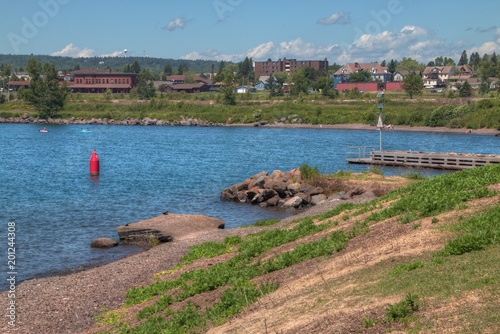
358, 153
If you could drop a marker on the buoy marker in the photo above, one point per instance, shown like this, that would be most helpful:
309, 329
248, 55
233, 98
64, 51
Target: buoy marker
94, 164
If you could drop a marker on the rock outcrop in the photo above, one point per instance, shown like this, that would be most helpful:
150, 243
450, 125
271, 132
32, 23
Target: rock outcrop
103, 243
168, 227
278, 189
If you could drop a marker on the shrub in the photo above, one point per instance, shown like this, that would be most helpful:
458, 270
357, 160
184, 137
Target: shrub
402, 309
309, 173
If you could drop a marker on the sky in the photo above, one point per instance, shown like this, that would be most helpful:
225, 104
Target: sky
230, 30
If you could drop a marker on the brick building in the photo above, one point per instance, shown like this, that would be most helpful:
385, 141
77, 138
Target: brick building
286, 65
99, 81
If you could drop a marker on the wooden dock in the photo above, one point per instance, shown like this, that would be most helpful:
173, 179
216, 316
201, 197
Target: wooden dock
450, 161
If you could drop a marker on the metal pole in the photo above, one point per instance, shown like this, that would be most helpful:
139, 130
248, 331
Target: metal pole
380, 139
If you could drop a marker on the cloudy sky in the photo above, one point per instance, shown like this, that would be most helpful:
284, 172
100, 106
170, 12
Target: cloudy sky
342, 31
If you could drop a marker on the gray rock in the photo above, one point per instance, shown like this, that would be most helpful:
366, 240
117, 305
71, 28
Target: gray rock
104, 243
317, 199
293, 202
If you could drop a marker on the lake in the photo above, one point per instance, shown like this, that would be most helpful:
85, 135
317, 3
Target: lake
58, 209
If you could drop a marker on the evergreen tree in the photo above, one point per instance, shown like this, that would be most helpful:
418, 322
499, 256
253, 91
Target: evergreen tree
167, 70
391, 68
183, 68
465, 90
45, 93
220, 75
474, 59
271, 86
463, 59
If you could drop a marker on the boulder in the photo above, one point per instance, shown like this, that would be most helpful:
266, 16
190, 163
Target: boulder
293, 202
317, 199
103, 243
281, 189
169, 227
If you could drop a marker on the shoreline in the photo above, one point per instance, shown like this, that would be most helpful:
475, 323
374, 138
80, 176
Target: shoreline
196, 122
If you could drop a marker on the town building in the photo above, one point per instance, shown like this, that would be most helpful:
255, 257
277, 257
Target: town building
437, 76
270, 67
186, 88
100, 81
377, 73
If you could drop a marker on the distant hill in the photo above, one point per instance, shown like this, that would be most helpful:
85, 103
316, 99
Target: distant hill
19, 63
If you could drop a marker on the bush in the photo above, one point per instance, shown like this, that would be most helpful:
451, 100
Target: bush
403, 309
309, 173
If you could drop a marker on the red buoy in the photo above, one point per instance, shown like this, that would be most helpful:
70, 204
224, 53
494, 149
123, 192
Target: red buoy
94, 164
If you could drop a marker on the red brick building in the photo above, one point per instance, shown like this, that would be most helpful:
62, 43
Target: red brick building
99, 81
269, 67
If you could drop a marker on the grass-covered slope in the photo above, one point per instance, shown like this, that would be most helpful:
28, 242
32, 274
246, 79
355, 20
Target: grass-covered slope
424, 258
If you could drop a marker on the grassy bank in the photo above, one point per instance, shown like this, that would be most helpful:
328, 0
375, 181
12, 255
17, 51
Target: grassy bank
311, 109
412, 261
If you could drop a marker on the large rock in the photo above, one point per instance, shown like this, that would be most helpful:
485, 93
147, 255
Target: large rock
168, 227
103, 243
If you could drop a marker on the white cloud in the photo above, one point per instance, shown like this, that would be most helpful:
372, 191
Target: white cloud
387, 40
71, 50
409, 41
177, 23
488, 47
114, 54
336, 18
261, 51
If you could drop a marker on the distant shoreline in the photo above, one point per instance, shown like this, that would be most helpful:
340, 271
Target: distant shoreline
359, 126
196, 122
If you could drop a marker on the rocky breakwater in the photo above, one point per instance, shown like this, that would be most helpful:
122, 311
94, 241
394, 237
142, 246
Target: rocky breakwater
278, 189
26, 119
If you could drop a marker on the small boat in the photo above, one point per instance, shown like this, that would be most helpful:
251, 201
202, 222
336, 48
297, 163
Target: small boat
44, 130
86, 130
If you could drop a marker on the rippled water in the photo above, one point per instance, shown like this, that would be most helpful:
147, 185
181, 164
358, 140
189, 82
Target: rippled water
59, 209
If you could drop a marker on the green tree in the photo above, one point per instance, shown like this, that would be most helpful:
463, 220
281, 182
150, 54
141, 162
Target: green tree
220, 75
360, 76
299, 82
271, 85
465, 90
474, 59
5, 73
413, 85
281, 79
246, 69
183, 68
227, 88
168, 70
463, 58
391, 68
145, 87
45, 93
135, 67
410, 65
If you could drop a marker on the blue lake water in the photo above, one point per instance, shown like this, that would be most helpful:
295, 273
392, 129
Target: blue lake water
58, 209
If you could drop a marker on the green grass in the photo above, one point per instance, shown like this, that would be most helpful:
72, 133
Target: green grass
469, 262
311, 109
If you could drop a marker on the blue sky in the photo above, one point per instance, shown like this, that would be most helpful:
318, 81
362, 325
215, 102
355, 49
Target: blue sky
342, 31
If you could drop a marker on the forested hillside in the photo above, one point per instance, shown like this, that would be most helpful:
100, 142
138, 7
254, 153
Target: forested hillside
18, 63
